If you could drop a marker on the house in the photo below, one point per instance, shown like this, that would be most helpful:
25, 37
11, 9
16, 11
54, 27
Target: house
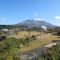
4, 29
44, 27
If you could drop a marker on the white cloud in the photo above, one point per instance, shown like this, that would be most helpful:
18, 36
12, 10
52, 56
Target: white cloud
35, 14
57, 17
3, 19
36, 17
39, 19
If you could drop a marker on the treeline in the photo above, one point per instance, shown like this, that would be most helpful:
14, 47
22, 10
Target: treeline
19, 27
11, 26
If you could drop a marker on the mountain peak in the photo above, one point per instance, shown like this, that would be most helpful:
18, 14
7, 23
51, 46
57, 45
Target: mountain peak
35, 23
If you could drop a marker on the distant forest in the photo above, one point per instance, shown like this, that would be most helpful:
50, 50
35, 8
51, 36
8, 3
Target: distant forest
19, 27
11, 26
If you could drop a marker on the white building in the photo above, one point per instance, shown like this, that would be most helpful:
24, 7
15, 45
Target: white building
4, 30
44, 27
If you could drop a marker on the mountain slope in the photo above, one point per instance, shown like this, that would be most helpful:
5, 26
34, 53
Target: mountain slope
36, 23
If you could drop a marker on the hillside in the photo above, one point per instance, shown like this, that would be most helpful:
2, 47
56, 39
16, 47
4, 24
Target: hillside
35, 23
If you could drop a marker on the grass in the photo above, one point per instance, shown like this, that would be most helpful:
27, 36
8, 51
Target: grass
23, 34
43, 40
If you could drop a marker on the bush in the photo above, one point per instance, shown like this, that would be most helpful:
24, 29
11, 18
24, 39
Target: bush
1, 33
33, 37
58, 33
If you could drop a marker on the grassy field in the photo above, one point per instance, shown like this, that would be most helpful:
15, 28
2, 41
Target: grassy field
23, 34
42, 40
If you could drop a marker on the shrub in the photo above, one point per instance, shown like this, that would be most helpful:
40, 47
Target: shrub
58, 33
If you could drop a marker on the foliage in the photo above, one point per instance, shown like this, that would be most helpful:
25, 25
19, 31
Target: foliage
12, 27
58, 33
56, 29
52, 54
1, 33
49, 30
10, 46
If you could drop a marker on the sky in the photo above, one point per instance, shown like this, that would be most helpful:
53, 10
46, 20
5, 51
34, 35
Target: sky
15, 11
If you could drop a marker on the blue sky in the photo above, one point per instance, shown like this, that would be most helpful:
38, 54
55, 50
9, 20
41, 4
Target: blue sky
15, 11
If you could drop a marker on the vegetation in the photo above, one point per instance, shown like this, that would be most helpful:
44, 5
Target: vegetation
1, 33
12, 27
40, 39
52, 54
10, 47
56, 29
14, 44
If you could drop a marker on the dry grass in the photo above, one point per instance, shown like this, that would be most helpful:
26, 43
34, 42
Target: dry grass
24, 34
40, 43
43, 40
